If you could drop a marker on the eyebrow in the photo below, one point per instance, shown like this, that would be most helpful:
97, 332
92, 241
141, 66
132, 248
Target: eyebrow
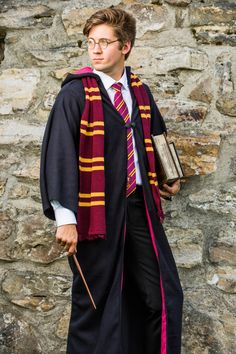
107, 39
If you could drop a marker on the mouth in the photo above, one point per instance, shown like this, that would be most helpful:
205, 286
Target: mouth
97, 59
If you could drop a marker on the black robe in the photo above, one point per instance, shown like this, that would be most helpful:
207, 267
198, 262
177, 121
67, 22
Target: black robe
116, 326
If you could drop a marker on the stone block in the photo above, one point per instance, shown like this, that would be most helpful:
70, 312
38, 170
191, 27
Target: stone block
226, 104
178, 58
74, 17
22, 17
41, 48
182, 20
17, 89
222, 250
149, 18
182, 111
14, 132
165, 86
141, 59
17, 336
214, 13
51, 57
29, 171
36, 291
198, 152
179, 2
63, 323
187, 246
8, 158
223, 73
5, 251
35, 251
31, 238
35, 241
168, 37
154, 2
233, 165
3, 182
48, 100
220, 201
6, 226
165, 60
215, 34
74, 20
203, 91
61, 74
19, 190
226, 101
214, 23
224, 279
205, 308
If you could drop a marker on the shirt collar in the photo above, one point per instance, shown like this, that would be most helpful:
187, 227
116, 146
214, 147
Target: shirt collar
109, 81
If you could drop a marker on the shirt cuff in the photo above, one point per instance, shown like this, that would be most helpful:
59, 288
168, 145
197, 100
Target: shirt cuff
63, 215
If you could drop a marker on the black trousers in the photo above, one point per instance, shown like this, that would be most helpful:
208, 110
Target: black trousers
141, 267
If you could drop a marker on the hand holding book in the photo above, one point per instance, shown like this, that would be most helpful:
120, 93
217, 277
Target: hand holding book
168, 166
167, 191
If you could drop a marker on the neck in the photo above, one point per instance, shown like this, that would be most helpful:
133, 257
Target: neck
115, 73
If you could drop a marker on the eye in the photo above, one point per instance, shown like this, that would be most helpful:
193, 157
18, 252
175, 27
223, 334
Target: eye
103, 42
90, 42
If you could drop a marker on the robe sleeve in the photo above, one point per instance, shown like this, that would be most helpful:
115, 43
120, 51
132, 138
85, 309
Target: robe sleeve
59, 177
157, 122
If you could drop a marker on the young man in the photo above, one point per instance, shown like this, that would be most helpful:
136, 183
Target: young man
98, 180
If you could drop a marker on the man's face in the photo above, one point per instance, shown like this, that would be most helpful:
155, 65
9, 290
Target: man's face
110, 59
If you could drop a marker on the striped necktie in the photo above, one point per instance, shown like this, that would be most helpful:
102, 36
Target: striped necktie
121, 107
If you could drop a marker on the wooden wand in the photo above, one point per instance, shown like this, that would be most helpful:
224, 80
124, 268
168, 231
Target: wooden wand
83, 278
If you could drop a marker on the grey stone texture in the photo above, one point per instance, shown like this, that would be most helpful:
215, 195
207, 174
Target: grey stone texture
185, 50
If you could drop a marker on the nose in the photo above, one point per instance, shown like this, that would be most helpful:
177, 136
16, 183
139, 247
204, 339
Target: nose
97, 48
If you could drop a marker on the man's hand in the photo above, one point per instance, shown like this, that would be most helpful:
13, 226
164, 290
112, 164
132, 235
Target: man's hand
67, 236
168, 191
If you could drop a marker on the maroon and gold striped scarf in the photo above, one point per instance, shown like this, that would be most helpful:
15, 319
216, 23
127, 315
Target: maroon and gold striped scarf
91, 210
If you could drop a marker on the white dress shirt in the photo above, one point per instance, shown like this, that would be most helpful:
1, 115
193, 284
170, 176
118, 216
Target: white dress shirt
65, 216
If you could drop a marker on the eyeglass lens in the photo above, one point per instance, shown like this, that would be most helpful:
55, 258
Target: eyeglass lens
103, 43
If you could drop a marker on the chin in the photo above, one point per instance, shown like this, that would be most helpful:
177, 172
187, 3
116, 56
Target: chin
101, 67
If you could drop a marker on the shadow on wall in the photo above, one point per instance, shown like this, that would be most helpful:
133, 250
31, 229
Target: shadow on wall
2, 45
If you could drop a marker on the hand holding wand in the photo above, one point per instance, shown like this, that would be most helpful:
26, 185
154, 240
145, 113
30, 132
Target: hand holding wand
66, 236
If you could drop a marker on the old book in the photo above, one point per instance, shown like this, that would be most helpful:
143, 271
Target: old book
169, 168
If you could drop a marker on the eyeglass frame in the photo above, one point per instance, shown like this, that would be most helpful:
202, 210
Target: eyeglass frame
102, 47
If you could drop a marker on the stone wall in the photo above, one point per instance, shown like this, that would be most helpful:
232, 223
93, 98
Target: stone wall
185, 51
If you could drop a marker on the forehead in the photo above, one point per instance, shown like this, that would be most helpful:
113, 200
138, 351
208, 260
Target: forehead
102, 31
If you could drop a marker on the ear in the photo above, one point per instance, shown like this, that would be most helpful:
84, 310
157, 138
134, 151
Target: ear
126, 47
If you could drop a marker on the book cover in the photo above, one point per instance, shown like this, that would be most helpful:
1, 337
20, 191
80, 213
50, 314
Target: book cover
169, 168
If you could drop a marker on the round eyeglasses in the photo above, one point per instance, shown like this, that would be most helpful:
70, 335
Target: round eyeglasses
102, 42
